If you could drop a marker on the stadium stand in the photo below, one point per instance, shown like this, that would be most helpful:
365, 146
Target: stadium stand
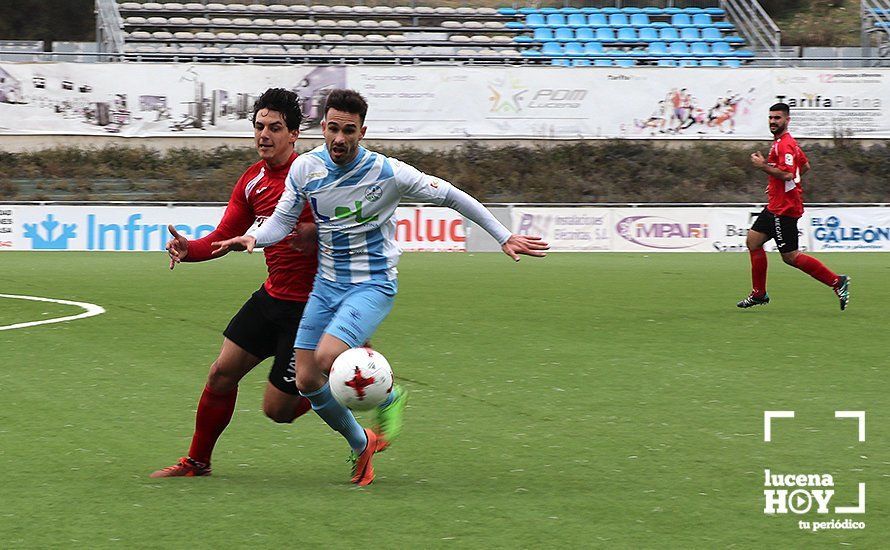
319, 33
875, 17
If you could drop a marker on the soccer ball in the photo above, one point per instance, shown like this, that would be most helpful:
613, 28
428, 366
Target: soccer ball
360, 379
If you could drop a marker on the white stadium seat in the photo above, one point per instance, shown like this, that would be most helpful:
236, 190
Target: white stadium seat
205, 35
264, 22
135, 21
300, 8
126, 6
305, 23
168, 48
424, 10
258, 8
402, 51
396, 38
236, 7
486, 11
140, 35
390, 24
327, 23
501, 39
279, 8
242, 21
254, 50
248, 36
154, 6
189, 50
213, 6
270, 37
312, 37
493, 25
157, 20
347, 24
178, 21
341, 9
226, 36
459, 38
234, 49
403, 10
291, 37
465, 11
193, 6
467, 52
381, 10
375, 38
221, 21
296, 50
162, 35
318, 51
284, 22
173, 6
368, 24
146, 48
275, 50
211, 49
362, 9
199, 21
452, 24
332, 37
473, 25
184, 35
320, 8
340, 50
444, 10
355, 38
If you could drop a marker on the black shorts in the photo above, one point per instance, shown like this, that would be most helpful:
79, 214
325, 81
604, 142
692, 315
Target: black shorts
266, 327
781, 228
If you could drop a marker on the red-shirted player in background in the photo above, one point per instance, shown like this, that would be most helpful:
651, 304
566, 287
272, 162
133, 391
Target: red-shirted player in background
785, 165
267, 323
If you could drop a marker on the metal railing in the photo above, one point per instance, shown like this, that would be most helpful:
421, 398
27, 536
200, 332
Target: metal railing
754, 24
875, 17
109, 27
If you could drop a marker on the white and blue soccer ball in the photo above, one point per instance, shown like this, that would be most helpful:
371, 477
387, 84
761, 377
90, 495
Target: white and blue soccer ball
360, 379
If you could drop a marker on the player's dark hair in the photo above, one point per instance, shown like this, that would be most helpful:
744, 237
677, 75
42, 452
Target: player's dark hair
347, 101
281, 101
781, 107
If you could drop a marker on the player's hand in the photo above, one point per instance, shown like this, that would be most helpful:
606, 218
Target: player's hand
237, 244
305, 238
526, 245
177, 247
757, 159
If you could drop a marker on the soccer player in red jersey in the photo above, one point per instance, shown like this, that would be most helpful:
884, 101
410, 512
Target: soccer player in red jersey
267, 323
784, 167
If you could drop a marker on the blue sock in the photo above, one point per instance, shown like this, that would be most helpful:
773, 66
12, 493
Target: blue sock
338, 417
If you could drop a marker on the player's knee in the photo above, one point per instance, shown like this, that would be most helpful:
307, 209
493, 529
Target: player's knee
790, 259
324, 359
279, 414
219, 379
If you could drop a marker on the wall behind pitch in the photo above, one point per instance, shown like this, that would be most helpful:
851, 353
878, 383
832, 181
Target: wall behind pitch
446, 102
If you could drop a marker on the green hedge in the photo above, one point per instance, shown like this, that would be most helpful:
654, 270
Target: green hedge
611, 171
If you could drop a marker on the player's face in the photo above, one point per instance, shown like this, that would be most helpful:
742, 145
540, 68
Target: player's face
274, 142
778, 122
342, 134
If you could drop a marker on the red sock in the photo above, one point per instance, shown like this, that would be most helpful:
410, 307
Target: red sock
303, 406
758, 271
214, 413
815, 269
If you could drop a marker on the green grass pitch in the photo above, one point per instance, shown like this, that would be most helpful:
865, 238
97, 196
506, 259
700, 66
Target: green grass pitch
583, 400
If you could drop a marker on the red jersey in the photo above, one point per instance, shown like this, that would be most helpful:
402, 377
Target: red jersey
786, 197
253, 200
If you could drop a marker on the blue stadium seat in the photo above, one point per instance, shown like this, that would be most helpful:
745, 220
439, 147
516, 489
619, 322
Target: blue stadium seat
581, 63
652, 10
681, 20
552, 49
689, 34
687, 63
693, 10
543, 34
726, 25
625, 62
603, 63
564, 34
709, 63
639, 20
747, 54
618, 20
574, 49
556, 20
678, 49
648, 34
530, 53
700, 49
711, 34
734, 63
720, 12
732, 39
631, 10
560, 62
589, 10
597, 20
669, 34
666, 63
514, 25
610, 10
585, 34
605, 34
507, 11
593, 49
526, 11
569, 10
524, 39
702, 20
548, 11
576, 20
628, 34
721, 49
669, 11
535, 20
658, 48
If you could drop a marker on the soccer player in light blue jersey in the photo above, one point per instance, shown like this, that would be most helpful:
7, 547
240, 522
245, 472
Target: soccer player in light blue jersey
353, 193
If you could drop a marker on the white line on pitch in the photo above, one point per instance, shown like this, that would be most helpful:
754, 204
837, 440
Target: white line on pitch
91, 310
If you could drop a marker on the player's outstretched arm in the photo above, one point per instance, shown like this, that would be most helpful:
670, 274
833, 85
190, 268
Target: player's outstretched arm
177, 247
526, 245
236, 244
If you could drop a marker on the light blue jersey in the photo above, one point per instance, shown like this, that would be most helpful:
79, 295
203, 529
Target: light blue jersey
354, 207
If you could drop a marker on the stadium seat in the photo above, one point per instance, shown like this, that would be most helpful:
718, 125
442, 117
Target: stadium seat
593, 49
514, 25
693, 10
719, 12
551, 49
525, 39
576, 20
648, 34
581, 63
700, 49
603, 63
543, 34
669, 34
597, 20
585, 34
560, 62
534, 20
556, 20
507, 11
666, 63
709, 63
652, 10
734, 39
574, 49
184, 35
678, 49
605, 34
689, 34
564, 34
135, 21
627, 34
681, 20
711, 34
702, 20
610, 10
734, 63
492, 25
721, 49
658, 48
639, 20
618, 20
625, 62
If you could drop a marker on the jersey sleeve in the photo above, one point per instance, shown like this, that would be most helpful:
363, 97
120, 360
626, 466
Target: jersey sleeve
414, 185
786, 158
237, 218
287, 212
